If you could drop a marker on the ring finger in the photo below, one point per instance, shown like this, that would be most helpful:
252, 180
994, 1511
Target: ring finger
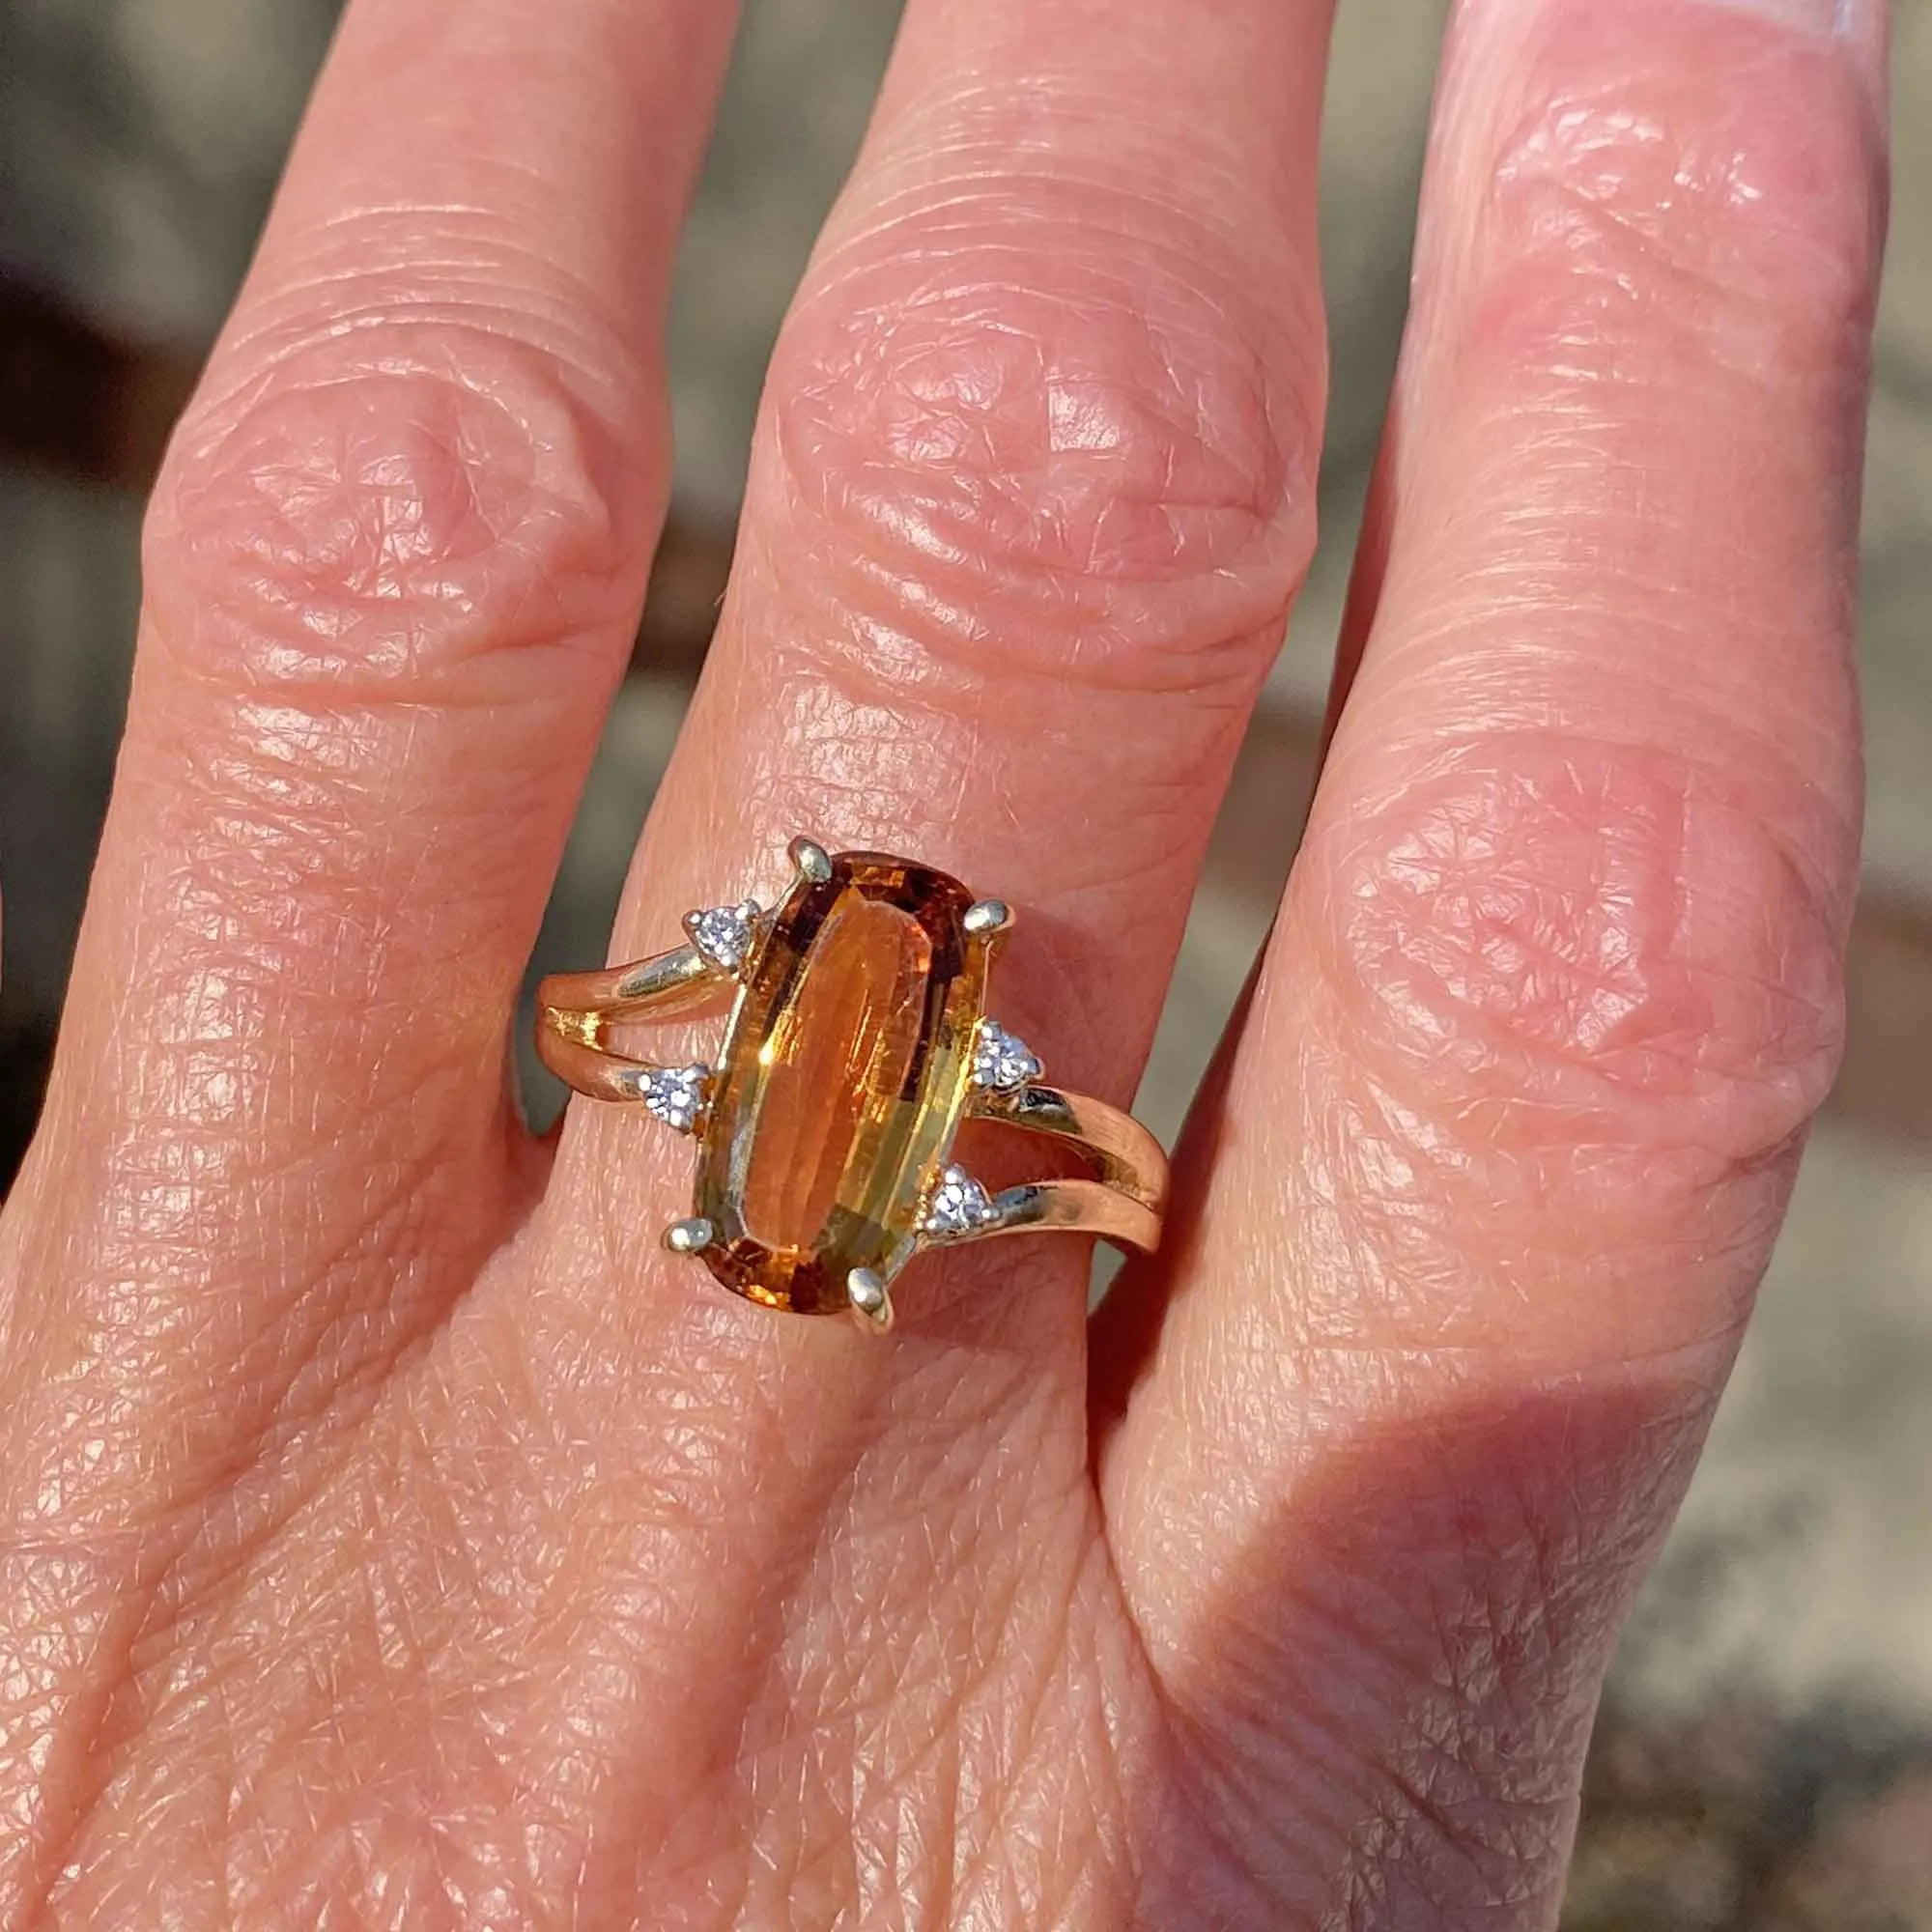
1031, 495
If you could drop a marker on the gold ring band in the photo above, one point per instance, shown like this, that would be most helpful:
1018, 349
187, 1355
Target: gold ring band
858, 1042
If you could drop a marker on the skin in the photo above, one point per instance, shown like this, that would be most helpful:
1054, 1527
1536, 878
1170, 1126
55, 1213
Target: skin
395, 1536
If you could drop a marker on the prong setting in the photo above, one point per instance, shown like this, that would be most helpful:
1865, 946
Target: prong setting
835, 1246
988, 919
809, 859
690, 1237
676, 1095
1001, 1061
871, 1300
959, 1205
724, 934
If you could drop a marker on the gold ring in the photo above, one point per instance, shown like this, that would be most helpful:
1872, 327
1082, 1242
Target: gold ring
858, 1042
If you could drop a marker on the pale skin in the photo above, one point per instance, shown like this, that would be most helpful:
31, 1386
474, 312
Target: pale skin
395, 1536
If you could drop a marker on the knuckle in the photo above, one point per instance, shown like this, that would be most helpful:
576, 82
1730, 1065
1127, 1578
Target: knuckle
1719, 172
391, 499
1550, 944
1041, 433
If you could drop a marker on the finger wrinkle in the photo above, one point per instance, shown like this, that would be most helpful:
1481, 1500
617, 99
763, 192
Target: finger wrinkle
865, 737
1596, 931
1398, 1651
404, 510
956, 1732
461, 265
268, 864
1040, 109
1665, 185
1571, 1010
1479, 1256
1600, 606
1041, 413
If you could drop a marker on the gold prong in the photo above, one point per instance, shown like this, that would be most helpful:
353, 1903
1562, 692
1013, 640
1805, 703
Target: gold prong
690, 1237
810, 860
987, 919
872, 1301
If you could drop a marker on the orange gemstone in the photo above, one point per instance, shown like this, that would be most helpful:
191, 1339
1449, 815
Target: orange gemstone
843, 1079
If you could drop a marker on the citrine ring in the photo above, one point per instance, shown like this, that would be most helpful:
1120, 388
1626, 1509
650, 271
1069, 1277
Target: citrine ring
858, 1044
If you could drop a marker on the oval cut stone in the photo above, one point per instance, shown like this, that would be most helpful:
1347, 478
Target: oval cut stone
845, 1072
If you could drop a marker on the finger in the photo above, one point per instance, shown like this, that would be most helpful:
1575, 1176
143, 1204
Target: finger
1555, 985
1027, 505
392, 570
1028, 501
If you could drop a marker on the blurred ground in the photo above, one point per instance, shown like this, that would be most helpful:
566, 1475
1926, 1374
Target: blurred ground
1765, 1759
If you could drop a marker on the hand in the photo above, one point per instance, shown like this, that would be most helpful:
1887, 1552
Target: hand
395, 1536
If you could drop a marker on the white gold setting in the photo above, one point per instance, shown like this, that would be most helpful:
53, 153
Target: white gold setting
809, 859
689, 1237
1002, 1060
870, 1300
724, 934
676, 1095
989, 917
959, 1205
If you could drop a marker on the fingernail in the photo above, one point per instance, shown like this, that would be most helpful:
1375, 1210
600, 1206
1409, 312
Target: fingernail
1847, 20
1866, 20
1861, 27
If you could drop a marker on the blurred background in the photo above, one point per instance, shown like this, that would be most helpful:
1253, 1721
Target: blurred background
1764, 1760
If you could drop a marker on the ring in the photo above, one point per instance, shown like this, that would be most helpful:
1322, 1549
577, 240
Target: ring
858, 1044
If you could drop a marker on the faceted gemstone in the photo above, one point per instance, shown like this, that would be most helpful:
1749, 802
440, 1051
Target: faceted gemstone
844, 1075
1002, 1060
959, 1203
676, 1095
723, 933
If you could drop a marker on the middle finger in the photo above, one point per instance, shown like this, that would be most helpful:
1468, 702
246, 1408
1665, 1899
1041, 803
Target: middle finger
1031, 493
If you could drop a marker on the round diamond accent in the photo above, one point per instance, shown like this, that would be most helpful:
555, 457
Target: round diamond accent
1001, 1059
676, 1095
724, 934
959, 1205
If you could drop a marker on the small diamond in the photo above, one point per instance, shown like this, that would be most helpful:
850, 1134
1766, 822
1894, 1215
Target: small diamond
723, 933
1001, 1059
676, 1095
959, 1205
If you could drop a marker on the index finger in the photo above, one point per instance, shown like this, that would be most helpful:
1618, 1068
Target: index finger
393, 571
